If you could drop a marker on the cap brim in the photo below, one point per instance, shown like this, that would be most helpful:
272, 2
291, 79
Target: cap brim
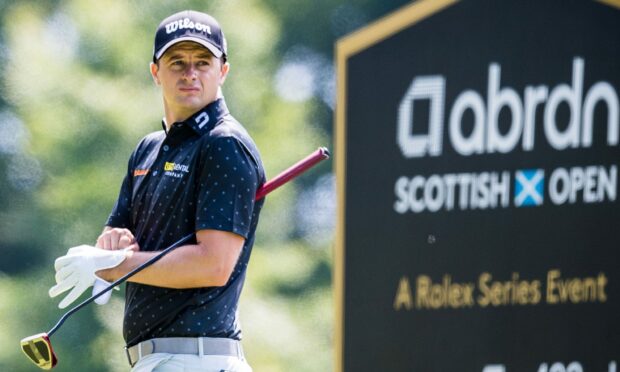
212, 48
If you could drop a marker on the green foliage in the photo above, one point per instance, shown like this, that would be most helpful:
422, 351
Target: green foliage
75, 98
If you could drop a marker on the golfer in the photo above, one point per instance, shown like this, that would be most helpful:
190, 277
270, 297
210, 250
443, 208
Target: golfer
199, 174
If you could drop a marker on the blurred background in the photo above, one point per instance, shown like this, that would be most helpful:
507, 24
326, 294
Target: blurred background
75, 98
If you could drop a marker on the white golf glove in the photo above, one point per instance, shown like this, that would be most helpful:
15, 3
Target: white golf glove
77, 270
99, 286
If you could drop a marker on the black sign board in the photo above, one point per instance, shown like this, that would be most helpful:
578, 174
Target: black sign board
478, 147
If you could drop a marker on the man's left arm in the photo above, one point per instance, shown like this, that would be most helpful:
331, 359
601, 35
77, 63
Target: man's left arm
206, 264
224, 207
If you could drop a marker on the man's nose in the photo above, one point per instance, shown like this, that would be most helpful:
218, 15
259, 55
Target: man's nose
190, 71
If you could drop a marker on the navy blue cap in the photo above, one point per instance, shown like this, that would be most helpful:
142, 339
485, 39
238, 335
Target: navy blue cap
190, 25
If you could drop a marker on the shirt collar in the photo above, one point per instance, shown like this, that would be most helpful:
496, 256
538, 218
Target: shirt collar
205, 119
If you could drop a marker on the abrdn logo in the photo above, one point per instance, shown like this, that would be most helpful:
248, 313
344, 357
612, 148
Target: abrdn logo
486, 136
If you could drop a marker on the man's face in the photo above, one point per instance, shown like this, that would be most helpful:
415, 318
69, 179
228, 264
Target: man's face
189, 76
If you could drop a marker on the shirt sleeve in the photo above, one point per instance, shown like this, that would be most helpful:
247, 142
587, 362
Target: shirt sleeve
227, 187
120, 215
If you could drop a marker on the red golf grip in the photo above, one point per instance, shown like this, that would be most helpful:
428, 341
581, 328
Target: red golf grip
295, 170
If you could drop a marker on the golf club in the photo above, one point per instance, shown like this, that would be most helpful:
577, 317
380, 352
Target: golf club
38, 348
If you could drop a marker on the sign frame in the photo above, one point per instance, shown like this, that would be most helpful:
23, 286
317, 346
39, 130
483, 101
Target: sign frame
346, 48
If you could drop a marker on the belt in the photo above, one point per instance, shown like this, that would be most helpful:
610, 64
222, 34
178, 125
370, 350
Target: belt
185, 345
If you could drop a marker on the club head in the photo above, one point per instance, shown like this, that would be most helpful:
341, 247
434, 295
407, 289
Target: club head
38, 349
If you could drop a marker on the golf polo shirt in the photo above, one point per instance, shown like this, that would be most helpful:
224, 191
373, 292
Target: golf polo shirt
202, 174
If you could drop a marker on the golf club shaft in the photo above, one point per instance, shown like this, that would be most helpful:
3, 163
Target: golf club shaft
282, 178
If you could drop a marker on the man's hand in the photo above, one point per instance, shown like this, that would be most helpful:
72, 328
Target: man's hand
76, 270
114, 238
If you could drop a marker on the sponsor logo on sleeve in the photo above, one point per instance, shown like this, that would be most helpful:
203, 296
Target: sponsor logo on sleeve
140, 172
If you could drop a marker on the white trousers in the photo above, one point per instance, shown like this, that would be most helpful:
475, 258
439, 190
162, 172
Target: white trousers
163, 362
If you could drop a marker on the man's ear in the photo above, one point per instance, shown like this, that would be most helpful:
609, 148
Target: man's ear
154, 71
224, 72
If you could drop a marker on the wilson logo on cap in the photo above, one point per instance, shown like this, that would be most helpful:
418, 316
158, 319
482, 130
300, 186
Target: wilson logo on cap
187, 23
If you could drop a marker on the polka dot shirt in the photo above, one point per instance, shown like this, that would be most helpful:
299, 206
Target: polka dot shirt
202, 174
